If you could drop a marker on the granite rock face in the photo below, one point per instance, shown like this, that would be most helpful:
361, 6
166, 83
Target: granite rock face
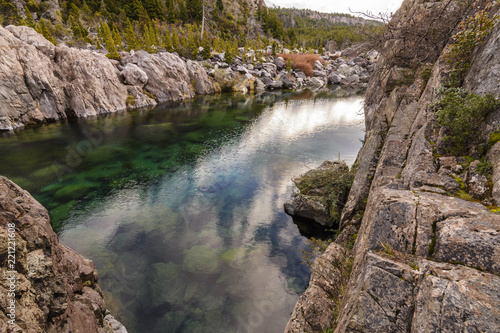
425, 258
40, 82
57, 288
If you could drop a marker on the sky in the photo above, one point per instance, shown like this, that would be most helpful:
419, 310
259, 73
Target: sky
340, 6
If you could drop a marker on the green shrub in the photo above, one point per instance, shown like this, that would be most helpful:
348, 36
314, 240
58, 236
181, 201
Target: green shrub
130, 101
471, 33
486, 169
462, 114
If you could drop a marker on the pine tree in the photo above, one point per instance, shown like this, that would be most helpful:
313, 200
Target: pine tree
29, 18
191, 44
155, 34
171, 13
205, 43
235, 50
146, 41
117, 37
167, 42
130, 37
183, 13
44, 30
74, 11
217, 47
228, 53
110, 43
80, 34
153, 9
220, 5
86, 10
136, 11
152, 39
175, 41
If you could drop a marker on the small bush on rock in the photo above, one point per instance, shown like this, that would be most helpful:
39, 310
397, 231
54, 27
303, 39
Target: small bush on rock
462, 114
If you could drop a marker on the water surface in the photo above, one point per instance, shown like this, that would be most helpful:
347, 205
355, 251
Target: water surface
181, 207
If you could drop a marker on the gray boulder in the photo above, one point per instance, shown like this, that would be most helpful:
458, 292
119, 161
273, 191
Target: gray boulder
270, 68
334, 78
315, 82
280, 63
135, 76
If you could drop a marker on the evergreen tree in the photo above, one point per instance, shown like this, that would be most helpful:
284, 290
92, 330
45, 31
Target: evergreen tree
136, 11
205, 43
80, 34
217, 45
110, 43
74, 11
183, 13
155, 34
117, 37
195, 9
170, 11
130, 37
220, 5
167, 42
175, 41
29, 18
236, 51
228, 53
44, 30
146, 40
153, 9
86, 10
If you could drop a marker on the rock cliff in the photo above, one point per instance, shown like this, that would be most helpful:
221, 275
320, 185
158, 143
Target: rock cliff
40, 82
54, 289
425, 259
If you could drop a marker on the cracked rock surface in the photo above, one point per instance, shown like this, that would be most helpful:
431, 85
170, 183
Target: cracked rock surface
426, 259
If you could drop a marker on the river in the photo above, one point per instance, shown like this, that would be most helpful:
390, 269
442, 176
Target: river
181, 207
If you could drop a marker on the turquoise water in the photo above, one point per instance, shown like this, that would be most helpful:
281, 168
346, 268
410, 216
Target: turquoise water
181, 207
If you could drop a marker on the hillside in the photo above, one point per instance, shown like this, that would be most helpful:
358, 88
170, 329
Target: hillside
313, 29
181, 26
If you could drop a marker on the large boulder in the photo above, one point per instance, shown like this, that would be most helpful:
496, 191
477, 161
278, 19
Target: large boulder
57, 288
270, 68
311, 200
134, 75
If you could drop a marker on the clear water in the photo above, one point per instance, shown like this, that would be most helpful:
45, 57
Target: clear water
181, 207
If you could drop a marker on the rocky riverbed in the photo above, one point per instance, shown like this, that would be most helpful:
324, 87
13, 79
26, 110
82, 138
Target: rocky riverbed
249, 72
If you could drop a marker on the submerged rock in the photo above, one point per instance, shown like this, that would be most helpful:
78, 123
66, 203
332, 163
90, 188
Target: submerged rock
200, 259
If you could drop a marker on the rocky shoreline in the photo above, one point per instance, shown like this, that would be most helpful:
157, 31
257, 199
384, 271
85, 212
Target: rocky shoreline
419, 243
40, 82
